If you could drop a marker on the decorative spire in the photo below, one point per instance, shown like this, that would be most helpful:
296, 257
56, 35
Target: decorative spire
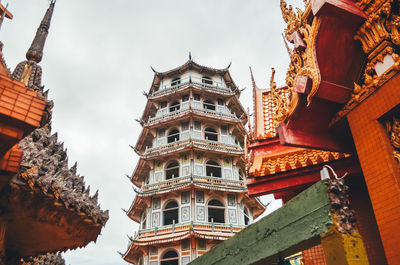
35, 52
252, 78
190, 56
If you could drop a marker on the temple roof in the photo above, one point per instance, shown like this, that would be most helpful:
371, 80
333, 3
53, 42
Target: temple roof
190, 64
292, 158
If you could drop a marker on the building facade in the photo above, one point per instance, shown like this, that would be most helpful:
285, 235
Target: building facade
191, 170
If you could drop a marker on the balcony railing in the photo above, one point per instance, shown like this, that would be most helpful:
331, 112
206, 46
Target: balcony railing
200, 143
171, 183
221, 112
196, 82
187, 226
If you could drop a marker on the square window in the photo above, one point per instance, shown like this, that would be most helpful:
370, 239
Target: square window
196, 97
201, 243
197, 126
185, 126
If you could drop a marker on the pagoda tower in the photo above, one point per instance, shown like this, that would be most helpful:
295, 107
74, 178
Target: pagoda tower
191, 171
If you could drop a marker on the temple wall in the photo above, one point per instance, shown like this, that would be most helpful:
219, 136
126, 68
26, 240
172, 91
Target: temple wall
381, 172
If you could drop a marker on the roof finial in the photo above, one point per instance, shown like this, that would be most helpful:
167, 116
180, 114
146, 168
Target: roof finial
252, 78
190, 56
35, 52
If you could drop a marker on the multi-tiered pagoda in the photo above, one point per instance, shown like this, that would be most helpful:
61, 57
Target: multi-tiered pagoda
191, 171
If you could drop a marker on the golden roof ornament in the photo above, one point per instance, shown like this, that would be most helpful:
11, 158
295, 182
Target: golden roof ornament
292, 19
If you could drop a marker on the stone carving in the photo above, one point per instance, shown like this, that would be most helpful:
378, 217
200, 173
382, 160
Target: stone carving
47, 259
339, 197
45, 165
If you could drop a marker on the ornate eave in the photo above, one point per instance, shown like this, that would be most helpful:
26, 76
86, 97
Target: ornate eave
139, 245
138, 206
320, 82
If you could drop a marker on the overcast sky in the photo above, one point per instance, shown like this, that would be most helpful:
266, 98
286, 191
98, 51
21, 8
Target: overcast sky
97, 61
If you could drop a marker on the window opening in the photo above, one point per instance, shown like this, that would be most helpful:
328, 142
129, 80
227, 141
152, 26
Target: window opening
171, 213
210, 134
163, 104
220, 102
209, 105
241, 177
197, 126
185, 126
144, 218
174, 106
213, 169
246, 216
173, 136
161, 132
176, 81
216, 212
196, 97
172, 170
207, 80
170, 258
185, 98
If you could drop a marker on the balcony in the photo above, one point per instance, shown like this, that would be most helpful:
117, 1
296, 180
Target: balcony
189, 226
196, 107
216, 183
215, 87
191, 139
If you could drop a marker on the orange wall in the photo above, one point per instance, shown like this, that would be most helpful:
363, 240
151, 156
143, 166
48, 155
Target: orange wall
381, 172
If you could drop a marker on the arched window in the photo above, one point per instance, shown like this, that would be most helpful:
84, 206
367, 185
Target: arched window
246, 216
171, 213
176, 81
174, 106
208, 104
216, 212
210, 134
172, 170
173, 136
213, 169
207, 80
170, 258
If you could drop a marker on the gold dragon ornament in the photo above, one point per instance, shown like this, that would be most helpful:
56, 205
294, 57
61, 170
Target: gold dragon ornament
302, 63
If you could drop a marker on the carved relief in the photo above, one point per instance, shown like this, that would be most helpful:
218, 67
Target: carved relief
393, 129
379, 37
302, 62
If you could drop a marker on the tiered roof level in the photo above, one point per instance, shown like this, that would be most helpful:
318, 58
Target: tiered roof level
191, 172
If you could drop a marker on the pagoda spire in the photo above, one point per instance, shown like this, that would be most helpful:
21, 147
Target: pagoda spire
28, 71
35, 52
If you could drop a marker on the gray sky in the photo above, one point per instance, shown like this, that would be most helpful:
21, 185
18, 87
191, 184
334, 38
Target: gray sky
97, 61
